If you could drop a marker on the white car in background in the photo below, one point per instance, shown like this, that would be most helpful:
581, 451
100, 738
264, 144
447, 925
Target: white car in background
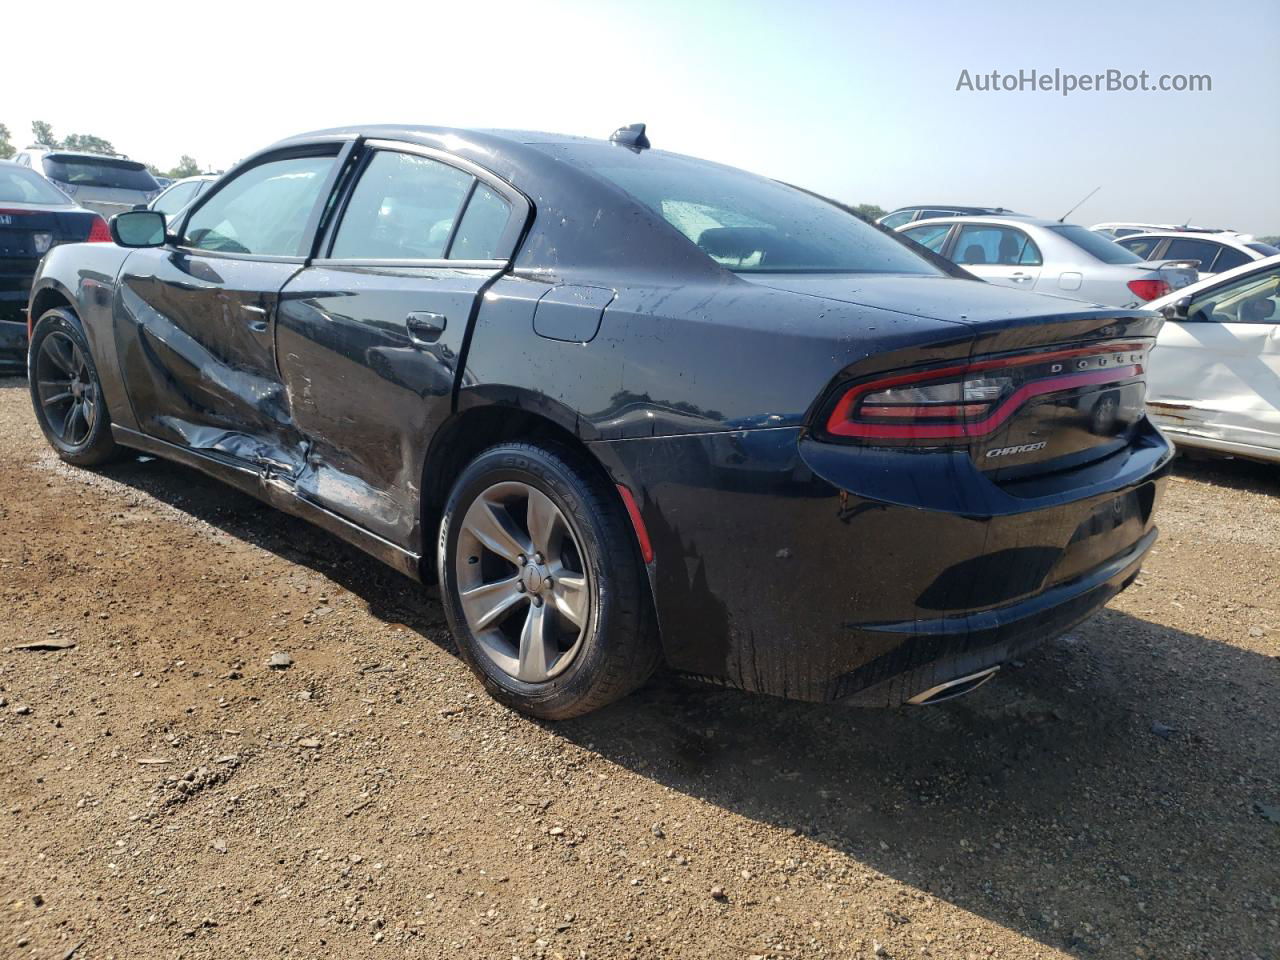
1127, 228
179, 194
1214, 377
1217, 252
1048, 256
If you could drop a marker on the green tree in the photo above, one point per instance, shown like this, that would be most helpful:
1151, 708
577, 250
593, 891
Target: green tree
87, 143
1274, 241
6, 148
869, 211
43, 132
187, 167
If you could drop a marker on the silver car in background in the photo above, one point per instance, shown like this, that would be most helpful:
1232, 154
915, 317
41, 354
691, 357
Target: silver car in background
104, 184
1048, 256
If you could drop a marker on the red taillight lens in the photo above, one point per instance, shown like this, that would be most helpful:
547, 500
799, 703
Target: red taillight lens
99, 232
974, 399
1148, 289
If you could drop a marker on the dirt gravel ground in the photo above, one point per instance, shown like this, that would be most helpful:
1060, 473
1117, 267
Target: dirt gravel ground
164, 793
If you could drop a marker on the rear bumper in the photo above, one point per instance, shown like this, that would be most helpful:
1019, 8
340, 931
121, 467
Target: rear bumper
824, 572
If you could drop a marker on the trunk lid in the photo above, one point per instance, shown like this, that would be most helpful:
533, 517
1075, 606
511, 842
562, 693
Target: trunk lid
1071, 376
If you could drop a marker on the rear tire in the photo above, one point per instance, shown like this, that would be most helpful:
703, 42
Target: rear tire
543, 584
66, 392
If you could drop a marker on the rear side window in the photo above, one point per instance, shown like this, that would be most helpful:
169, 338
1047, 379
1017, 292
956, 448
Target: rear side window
482, 226
895, 220
980, 243
932, 237
1098, 247
1181, 248
1143, 247
263, 211
403, 208
1229, 259
18, 185
106, 172
746, 223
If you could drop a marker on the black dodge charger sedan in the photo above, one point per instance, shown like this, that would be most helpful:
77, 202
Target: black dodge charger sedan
625, 406
34, 216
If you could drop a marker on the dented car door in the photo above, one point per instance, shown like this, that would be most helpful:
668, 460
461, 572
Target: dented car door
1216, 374
195, 318
372, 333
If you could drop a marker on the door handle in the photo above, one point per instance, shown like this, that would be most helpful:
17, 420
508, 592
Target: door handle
425, 327
1020, 277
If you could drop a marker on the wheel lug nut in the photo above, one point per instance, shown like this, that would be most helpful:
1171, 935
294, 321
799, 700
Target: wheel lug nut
537, 558
537, 601
523, 559
519, 588
548, 583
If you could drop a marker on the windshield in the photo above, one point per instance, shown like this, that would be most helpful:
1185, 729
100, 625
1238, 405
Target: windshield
1097, 246
746, 223
18, 185
99, 172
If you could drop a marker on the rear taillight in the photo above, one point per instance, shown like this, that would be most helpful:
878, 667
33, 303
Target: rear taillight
99, 232
1148, 289
974, 399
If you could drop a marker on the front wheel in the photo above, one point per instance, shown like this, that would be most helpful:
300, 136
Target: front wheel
66, 392
543, 583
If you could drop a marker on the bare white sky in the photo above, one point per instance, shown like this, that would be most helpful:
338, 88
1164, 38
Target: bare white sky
854, 99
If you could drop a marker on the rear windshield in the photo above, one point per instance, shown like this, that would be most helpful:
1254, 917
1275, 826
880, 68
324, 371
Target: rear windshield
100, 172
746, 223
19, 185
1108, 251
1266, 249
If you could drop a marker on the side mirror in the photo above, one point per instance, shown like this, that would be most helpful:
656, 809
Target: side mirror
138, 228
1178, 310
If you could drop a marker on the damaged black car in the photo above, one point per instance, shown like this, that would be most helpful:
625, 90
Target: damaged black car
626, 407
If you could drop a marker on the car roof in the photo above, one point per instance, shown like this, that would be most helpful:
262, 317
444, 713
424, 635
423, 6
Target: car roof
58, 152
1228, 238
1002, 219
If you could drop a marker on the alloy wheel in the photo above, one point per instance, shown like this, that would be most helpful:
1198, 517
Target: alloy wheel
522, 581
66, 389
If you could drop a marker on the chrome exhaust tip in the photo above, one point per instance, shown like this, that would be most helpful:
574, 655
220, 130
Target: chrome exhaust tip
954, 688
